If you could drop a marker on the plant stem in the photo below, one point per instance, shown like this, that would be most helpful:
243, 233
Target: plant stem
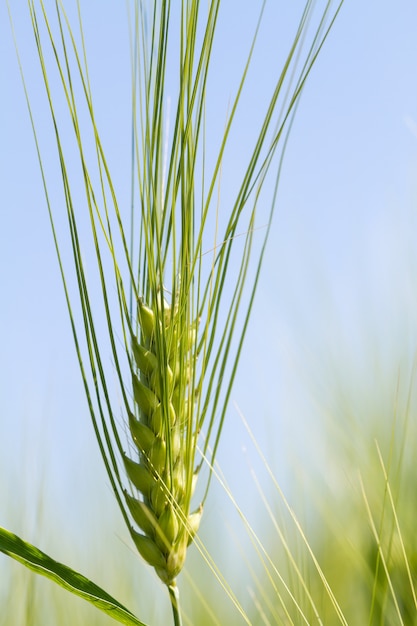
174, 595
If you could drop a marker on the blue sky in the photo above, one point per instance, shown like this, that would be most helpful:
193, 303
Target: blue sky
337, 296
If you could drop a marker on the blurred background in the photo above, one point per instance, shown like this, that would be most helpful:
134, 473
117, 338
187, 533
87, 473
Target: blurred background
326, 379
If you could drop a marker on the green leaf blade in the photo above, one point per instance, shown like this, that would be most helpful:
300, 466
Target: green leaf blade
69, 579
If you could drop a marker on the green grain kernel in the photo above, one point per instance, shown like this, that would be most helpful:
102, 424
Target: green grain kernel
193, 523
144, 397
157, 455
139, 475
167, 530
148, 550
159, 497
146, 321
142, 435
142, 514
145, 360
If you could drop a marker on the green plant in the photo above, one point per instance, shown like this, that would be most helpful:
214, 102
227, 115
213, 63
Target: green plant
175, 299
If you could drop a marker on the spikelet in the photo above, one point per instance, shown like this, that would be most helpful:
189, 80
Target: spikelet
161, 508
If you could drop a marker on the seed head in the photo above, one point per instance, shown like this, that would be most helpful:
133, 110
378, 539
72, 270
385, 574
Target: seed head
164, 355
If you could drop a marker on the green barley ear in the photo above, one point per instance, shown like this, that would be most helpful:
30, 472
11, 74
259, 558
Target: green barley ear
160, 433
174, 360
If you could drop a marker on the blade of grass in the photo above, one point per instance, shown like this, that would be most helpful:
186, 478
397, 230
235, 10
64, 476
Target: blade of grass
297, 524
69, 579
397, 525
381, 554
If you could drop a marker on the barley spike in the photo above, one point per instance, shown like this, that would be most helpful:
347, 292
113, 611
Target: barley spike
163, 398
